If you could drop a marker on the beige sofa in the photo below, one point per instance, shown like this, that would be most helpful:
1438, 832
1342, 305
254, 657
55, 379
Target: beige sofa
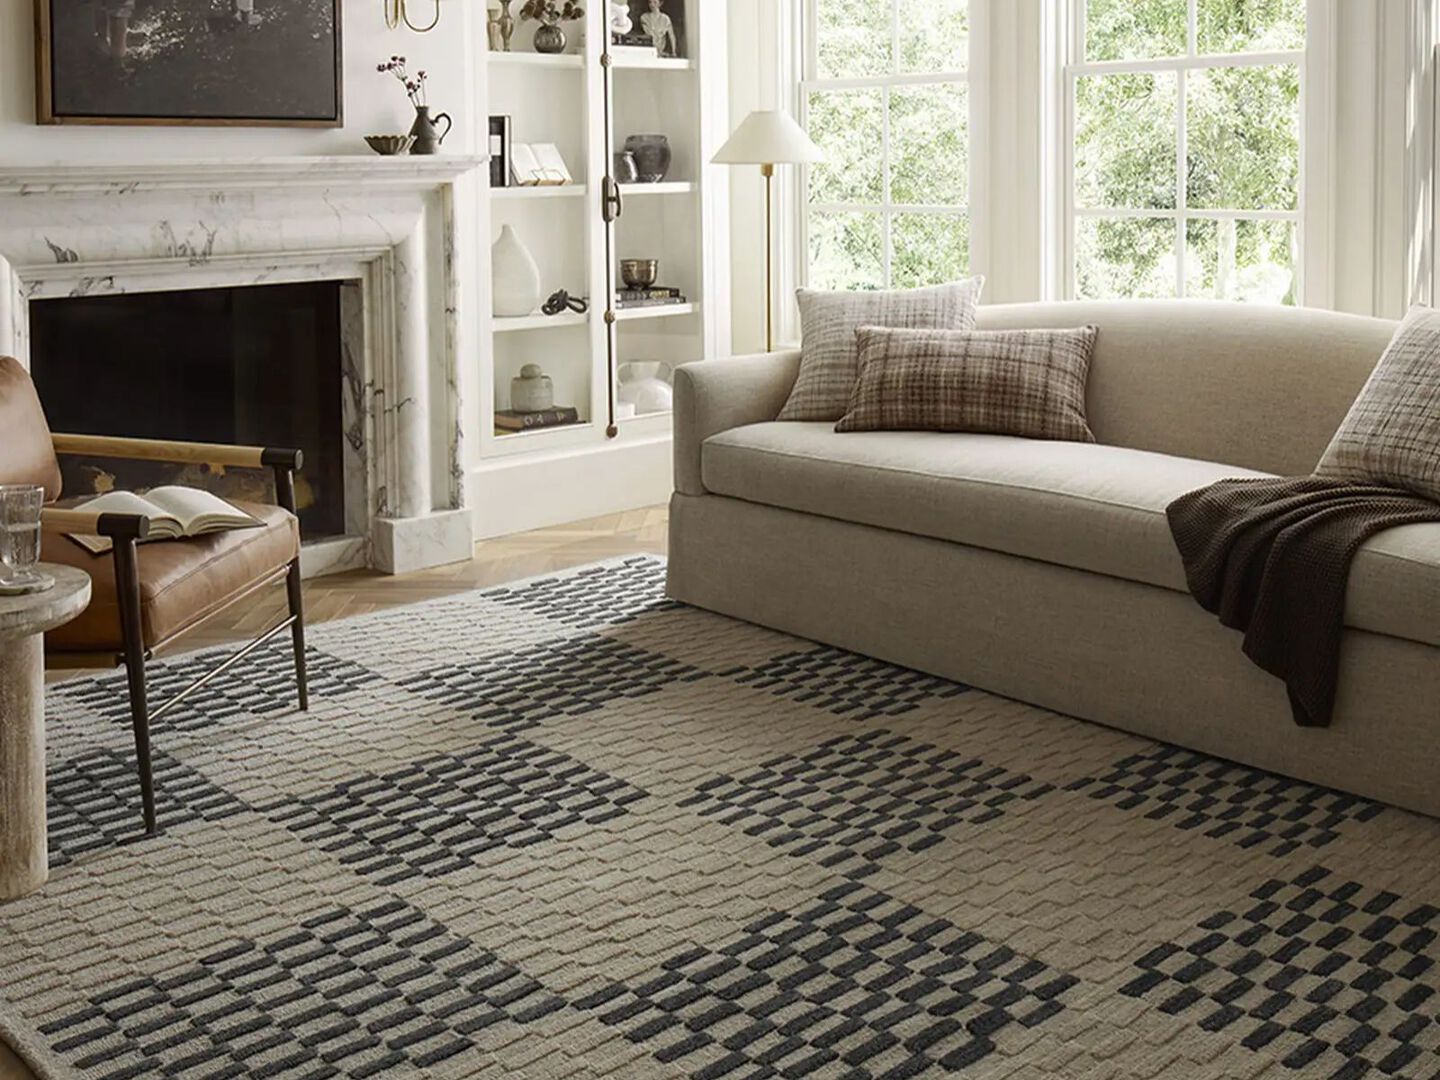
1045, 571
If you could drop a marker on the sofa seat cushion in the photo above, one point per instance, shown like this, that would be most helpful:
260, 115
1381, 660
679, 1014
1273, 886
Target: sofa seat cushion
1087, 506
182, 582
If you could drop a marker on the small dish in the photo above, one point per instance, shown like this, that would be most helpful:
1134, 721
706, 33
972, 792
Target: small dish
390, 145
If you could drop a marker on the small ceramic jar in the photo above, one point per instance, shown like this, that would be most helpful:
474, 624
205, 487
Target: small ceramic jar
532, 391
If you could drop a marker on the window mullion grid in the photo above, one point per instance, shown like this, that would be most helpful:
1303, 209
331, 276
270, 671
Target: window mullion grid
887, 239
1071, 90
1182, 193
1182, 146
1192, 61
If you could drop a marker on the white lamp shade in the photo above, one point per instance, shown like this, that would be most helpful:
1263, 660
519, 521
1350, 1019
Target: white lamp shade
768, 137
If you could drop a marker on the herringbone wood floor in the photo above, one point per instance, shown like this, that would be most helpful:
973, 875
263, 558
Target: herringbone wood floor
496, 562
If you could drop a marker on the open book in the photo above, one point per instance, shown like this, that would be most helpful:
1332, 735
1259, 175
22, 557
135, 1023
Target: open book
173, 512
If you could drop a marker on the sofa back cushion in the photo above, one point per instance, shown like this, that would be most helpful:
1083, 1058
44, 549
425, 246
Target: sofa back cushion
1392, 433
1261, 387
828, 354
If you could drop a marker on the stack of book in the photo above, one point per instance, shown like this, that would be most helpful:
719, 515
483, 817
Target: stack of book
633, 47
651, 296
508, 421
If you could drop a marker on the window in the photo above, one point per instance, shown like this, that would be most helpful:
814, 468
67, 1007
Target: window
1183, 122
884, 92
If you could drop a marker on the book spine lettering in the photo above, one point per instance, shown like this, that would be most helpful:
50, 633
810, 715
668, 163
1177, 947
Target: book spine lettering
658, 301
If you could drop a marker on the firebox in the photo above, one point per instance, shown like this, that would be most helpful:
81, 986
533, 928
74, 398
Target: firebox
256, 364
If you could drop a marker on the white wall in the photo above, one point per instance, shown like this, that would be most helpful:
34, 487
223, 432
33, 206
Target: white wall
374, 103
1378, 212
754, 58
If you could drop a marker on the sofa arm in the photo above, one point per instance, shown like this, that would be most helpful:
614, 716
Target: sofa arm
712, 396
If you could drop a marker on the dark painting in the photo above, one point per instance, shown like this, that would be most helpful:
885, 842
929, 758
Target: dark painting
660, 23
190, 61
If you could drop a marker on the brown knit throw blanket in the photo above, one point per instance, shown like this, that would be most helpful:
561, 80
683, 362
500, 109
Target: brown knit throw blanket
1271, 557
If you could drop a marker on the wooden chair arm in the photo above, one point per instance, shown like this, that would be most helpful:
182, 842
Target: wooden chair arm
240, 457
89, 523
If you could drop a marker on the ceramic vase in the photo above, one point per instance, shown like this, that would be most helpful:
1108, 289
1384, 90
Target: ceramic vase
645, 384
626, 171
507, 25
652, 156
549, 38
532, 390
515, 278
426, 130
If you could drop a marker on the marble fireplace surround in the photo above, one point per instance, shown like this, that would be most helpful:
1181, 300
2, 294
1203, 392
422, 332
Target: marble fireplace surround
385, 227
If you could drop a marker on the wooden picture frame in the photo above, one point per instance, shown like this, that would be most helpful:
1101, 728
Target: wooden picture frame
50, 73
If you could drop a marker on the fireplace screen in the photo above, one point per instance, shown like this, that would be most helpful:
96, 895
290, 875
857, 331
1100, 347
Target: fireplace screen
259, 365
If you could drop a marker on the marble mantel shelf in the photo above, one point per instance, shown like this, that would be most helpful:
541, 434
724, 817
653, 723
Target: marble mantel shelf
231, 174
387, 229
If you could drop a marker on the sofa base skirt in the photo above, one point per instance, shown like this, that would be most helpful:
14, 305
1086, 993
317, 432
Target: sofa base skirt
1131, 656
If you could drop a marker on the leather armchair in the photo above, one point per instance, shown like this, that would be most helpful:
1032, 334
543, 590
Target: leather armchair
147, 595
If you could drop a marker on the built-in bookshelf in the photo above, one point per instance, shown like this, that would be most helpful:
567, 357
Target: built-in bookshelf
586, 102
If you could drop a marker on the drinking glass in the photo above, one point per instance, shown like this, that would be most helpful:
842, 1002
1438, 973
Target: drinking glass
19, 532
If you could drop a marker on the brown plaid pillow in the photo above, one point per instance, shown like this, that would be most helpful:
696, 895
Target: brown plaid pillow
994, 382
828, 321
1392, 433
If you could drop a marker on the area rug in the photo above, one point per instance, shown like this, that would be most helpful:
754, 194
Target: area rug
569, 829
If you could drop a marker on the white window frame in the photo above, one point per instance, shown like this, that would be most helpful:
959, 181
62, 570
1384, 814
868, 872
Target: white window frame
1313, 223
807, 82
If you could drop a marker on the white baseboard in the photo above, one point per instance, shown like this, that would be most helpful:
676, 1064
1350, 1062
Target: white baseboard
510, 495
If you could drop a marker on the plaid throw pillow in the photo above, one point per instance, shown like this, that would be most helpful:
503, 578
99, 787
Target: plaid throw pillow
828, 321
1392, 433
994, 382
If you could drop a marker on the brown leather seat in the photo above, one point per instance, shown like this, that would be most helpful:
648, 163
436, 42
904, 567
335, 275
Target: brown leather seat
26, 453
182, 582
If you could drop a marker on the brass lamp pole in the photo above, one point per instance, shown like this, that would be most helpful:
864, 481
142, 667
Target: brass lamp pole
768, 138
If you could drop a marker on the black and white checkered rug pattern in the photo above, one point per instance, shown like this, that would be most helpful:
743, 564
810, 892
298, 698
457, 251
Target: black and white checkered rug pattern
567, 828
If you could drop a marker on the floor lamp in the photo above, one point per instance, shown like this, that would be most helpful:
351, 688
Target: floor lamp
768, 138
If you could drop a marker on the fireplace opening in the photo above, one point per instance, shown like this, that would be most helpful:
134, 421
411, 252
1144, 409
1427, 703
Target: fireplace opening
256, 365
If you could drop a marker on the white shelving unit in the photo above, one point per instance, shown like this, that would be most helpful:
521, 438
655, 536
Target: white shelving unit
587, 105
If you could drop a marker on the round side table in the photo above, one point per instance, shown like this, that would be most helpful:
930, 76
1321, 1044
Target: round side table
24, 859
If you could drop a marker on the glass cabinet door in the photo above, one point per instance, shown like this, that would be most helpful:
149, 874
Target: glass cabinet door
652, 205
544, 363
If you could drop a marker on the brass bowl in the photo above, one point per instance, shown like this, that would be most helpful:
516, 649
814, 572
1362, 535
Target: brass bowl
639, 273
390, 145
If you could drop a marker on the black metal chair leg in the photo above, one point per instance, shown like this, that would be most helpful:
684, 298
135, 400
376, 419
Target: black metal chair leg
285, 464
297, 630
127, 590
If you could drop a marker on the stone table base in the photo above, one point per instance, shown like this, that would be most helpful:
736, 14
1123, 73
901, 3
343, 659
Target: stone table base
23, 622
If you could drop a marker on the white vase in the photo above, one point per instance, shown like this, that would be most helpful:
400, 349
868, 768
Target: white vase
514, 277
646, 385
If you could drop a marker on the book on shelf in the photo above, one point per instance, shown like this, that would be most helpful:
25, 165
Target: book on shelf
174, 512
499, 151
631, 47
651, 301
509, 420
651, 292
538, 164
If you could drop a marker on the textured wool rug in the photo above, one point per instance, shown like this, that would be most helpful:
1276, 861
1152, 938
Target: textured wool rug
568, 829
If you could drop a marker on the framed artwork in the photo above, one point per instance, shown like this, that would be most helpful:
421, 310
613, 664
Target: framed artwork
201, 62
657, 22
